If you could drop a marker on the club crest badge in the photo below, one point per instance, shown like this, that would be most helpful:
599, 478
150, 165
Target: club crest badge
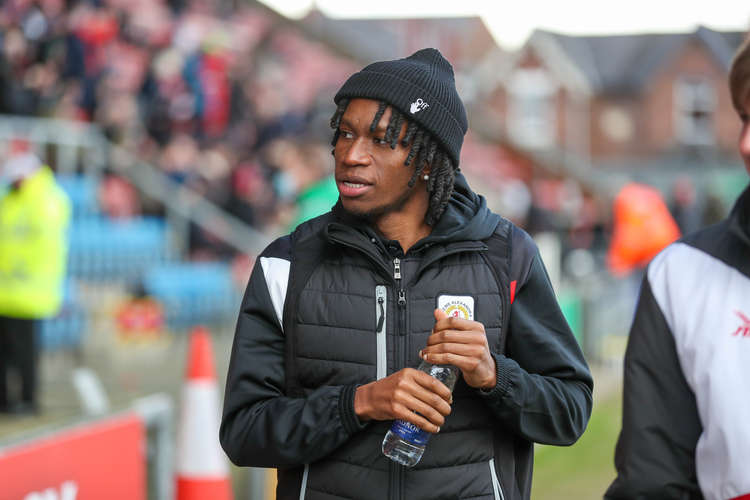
458, 306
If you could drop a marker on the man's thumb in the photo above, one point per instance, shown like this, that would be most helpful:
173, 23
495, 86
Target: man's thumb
440, 314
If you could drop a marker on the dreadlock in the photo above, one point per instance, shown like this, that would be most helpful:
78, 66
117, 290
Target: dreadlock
425, 150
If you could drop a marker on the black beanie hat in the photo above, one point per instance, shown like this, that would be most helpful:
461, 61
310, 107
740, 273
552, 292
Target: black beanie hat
422, 88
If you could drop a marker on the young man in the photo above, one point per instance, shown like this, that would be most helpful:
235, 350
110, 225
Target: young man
337, 316
686, 407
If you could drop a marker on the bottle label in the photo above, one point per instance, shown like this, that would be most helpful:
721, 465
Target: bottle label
410, 432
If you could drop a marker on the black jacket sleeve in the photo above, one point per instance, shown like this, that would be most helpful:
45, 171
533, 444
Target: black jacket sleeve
261, 426
655, 454
544, 387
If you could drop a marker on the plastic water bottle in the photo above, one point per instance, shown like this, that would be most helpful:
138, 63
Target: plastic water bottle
405, 442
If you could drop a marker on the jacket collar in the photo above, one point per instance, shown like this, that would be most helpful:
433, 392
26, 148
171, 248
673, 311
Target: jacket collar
466, 218
739, 218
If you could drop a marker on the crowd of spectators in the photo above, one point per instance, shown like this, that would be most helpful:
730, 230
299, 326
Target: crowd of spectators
223, 96
233, 100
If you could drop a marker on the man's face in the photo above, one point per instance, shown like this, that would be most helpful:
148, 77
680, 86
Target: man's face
371, 177
745, 135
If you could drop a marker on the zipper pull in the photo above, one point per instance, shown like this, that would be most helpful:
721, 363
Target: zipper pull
397, 268
401, 298
381, 319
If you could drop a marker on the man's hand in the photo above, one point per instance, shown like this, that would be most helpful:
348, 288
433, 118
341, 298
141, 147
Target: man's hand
400, 395
461, 343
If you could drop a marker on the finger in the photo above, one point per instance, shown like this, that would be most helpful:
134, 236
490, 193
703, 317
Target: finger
427, 412
424, 387
429, 405
457, 337
429, 385
420, 421
439, 314
467, 364
469, 350
434, 402
454, 323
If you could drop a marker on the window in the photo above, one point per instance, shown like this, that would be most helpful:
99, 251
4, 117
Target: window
531, 109
694, 105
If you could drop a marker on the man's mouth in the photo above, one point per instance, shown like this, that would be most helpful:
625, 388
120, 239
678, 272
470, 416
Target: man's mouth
352, 188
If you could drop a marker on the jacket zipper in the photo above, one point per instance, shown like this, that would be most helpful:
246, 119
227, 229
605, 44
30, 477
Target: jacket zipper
381, 309
401, 333
402, 340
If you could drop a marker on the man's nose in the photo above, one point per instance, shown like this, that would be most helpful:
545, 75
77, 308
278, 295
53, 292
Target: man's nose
357, 153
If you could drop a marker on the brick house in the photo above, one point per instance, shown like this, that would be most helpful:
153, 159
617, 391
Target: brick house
462, 40
598, 105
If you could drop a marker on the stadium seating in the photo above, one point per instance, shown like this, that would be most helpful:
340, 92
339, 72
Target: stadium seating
81, 190
134, 254
106, 250
193, 292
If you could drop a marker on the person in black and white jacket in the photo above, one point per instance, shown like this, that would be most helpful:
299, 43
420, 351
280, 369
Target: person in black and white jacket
686, 405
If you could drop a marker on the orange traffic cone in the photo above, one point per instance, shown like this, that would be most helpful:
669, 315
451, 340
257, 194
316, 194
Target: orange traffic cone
202, 470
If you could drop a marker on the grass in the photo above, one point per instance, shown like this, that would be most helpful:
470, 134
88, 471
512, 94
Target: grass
585, 470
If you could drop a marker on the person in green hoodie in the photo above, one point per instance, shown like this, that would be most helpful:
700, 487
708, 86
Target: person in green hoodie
34, 216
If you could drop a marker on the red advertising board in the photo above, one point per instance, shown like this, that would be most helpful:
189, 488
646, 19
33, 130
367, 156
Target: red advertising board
102, 459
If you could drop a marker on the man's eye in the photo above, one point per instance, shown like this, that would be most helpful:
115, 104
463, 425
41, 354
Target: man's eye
378, 140
345, 134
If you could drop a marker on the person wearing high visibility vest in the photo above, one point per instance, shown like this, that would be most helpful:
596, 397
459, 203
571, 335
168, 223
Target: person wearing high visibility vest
34, 217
